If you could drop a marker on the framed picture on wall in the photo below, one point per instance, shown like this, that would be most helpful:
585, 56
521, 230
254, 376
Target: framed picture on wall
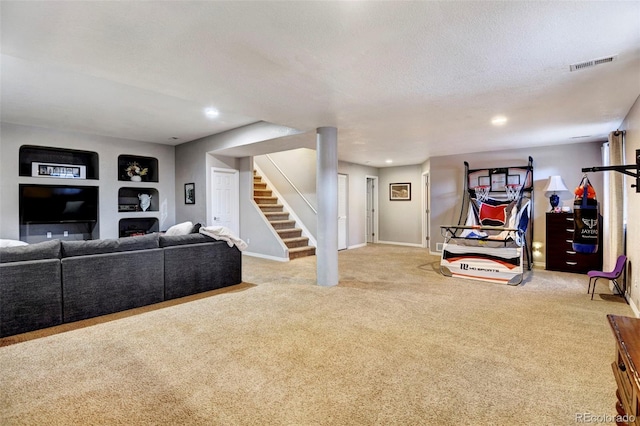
64, 171
400, 191
189, 193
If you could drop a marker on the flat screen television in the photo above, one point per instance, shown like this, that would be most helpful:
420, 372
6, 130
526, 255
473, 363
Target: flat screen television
58, 203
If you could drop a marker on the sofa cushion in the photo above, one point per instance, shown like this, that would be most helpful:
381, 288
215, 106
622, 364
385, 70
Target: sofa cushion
37, 251
183, 228
83, 248
179, 240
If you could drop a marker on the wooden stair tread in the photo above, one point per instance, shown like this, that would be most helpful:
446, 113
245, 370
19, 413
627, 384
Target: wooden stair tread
299, 249
268, 214
285, 230
282, 222
294, 239
266, 200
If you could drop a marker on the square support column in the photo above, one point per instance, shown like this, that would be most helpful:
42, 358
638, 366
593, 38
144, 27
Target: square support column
327, 192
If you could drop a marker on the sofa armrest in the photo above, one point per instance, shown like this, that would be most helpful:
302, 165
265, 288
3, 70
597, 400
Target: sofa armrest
101, 284
195, 268
30, 296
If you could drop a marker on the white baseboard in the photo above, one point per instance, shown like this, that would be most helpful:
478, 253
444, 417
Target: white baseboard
265, 256
634, 308
400, 244
357, 246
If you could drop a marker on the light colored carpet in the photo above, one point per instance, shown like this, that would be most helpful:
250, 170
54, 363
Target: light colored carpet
394, 343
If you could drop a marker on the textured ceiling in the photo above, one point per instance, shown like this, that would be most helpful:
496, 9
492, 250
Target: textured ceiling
400, 80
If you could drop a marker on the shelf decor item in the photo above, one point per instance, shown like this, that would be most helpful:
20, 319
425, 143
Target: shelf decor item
145, 201
67, 171
555, 184
135, 171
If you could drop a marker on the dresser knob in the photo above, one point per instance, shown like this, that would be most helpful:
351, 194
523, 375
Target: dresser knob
622, 367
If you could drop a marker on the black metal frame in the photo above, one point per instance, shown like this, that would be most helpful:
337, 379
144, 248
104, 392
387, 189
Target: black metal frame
622, 169
470, 192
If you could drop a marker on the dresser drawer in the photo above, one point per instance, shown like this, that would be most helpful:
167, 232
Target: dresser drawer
625, 387
560, 255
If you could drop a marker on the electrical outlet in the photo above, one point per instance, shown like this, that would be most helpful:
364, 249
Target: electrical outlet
65, 233
248, 240
48, 234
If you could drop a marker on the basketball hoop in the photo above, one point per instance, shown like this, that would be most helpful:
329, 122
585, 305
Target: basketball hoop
482, 192
513, 191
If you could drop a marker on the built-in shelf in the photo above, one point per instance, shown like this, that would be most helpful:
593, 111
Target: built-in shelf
41, 161
129, 200
137, 226
149, 163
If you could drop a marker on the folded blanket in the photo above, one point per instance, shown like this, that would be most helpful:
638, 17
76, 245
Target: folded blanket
223, 233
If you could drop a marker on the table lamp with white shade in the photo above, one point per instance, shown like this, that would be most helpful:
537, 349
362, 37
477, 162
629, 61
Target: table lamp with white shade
555, 184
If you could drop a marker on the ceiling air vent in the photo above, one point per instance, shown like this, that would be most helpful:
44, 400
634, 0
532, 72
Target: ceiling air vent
592, 63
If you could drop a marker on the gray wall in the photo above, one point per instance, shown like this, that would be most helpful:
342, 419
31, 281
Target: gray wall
13, 136
193, 164
447, 174
254, 230
401, 221
195, 159
357, 193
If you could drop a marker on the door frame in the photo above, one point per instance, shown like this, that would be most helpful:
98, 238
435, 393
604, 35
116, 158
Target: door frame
374, 203
426, 211
346, 209
236, 194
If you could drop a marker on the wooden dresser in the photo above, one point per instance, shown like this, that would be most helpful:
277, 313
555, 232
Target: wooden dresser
627, 333
560, 256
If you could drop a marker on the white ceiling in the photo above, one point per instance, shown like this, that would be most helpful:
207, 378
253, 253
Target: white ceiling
400, 80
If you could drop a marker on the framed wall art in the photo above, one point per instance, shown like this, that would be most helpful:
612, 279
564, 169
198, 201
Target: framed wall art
400, 191
189, 193
64, 171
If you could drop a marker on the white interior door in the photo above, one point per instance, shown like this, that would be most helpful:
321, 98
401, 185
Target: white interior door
342, 212
225, 209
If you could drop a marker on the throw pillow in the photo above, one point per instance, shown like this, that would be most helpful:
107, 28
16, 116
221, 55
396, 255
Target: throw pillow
183, 228
11, 243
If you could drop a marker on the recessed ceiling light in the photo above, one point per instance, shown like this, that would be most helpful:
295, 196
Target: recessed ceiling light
499, 120
389, 161
211, 112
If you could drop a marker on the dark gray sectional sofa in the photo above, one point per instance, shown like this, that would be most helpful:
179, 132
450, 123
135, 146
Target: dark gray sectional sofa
55, 282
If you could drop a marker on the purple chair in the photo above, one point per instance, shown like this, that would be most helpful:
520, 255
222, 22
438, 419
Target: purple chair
611, 276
